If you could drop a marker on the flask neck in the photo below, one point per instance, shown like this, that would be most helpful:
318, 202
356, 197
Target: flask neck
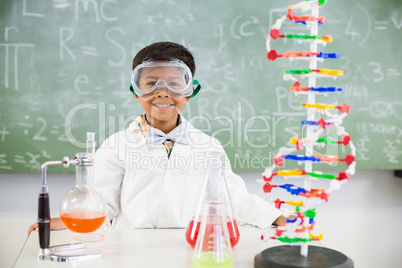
215, 176
91, 143
83, 169
81, 176
90, 153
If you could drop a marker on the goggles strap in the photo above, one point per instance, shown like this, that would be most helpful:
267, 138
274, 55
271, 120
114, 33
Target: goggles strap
132, 89
196, 89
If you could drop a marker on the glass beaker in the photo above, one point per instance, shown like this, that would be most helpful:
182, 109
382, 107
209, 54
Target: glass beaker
213, 247
83, 210
214, 188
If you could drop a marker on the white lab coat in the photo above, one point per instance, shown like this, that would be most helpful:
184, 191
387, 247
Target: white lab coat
146, 189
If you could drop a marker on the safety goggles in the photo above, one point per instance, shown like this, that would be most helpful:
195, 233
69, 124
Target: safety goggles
173, 75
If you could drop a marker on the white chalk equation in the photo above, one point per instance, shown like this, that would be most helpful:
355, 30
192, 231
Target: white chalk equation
31, 160
98, 10
361, 16
388, 140
3, 133
68, 37
383, 109
370, 71
394, 22
11, 61
39, 129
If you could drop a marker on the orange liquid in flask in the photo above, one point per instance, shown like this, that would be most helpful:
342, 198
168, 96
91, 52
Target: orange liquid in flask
234, 234
83, 220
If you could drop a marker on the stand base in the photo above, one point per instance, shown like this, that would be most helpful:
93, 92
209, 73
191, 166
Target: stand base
289, 257
49, 254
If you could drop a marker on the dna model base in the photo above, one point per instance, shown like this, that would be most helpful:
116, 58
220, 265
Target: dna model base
289, 257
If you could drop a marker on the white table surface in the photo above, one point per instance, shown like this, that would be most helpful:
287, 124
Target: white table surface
142, 248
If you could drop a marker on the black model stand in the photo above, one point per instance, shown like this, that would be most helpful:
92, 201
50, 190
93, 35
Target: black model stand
398, 173
289, 257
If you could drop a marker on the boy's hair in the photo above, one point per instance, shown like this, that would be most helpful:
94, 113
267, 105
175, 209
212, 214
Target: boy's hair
165, 51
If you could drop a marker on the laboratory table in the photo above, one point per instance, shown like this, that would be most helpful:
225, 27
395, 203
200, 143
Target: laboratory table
145, 248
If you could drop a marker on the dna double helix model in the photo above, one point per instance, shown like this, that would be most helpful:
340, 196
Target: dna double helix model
322, 118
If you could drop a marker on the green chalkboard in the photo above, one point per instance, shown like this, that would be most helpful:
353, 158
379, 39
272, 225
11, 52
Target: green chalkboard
65, 69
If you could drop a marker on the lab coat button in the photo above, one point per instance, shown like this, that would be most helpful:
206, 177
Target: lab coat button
164, 215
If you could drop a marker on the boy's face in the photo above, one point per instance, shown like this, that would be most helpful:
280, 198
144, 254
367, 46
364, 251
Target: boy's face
161, 108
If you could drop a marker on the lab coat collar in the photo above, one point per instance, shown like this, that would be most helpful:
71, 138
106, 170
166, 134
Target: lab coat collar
155, 137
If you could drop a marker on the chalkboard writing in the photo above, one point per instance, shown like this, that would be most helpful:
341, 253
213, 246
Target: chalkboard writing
65, 69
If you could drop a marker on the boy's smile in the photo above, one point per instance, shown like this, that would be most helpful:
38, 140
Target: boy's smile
162, 105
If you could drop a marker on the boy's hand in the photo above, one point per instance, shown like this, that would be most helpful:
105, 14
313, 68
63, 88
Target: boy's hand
55, 224
281, 220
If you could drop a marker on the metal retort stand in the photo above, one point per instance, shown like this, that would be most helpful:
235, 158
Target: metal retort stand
53, 253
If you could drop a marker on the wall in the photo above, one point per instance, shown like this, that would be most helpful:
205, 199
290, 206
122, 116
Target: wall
362, 220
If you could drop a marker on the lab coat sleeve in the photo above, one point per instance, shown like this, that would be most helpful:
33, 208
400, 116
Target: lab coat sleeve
109, 173
249, 208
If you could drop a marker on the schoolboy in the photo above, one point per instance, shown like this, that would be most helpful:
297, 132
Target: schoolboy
151, 172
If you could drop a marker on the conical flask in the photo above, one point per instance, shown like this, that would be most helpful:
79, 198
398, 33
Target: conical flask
213, 248
214, 188
83, 210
